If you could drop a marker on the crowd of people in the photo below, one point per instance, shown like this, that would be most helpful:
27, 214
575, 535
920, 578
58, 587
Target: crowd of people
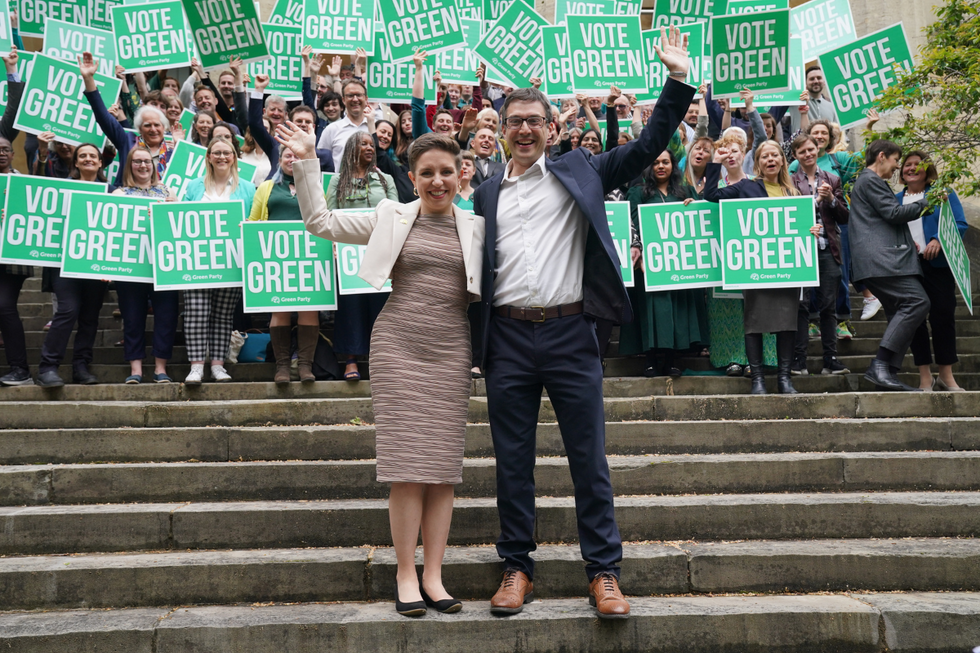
487, 212
717, 152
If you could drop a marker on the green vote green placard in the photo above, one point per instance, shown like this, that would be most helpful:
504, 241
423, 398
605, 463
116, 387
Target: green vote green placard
33, 14
750, 51
657, 73
618, 217
339, 26
287, 12
108, 237
956, 254
606, 51
151, 36
100, 13
63, 40
35, 211
197, 244
389, 81
752, 6
187, 163
857, 73
284, 65
348, 258
430, 25
471, 10
513, 46
768, 244
286, 268
458, 65
797, 81
54, 101
682, 12
491, 10
822, 25
681, 245
565, 8
223, 29
557, 62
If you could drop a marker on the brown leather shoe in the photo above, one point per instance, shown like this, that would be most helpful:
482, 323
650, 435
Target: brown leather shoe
604, 594
515, 590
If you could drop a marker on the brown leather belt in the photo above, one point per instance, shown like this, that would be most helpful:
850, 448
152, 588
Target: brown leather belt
538, 313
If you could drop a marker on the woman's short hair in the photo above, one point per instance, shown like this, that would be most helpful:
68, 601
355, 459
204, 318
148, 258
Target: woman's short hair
925, 160
733, 136
830, 130
469, 156
800, 141
433, 141
880, 146
147, 111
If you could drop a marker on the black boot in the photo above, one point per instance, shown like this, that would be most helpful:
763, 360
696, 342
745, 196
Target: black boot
785, 345
753, 351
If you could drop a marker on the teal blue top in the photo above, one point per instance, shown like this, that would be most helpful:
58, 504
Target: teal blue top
466, 205
245, 191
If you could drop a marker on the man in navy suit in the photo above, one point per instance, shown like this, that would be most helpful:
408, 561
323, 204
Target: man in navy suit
550, 270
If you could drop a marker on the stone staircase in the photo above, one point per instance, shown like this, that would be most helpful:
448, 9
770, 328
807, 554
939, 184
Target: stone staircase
245, 517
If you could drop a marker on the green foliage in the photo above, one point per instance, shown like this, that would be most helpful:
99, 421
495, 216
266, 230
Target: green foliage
941, 98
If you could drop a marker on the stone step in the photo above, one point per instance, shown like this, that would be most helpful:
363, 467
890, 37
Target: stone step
347, 442
968, 363
361, 574
304, 412
869, 347
287, 524
842, 623
631, 475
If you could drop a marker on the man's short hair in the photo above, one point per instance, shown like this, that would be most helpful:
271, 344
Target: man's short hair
226, 72
811, 69
302, 108
202, 87
329, 96
349, 82
802, 140
527, 95
275, 99
880, 146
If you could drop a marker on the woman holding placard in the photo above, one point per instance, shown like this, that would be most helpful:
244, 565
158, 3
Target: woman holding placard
79, 300
664, 322
275, 199
141, 179
918, 173
420, 377
209, 312
767, 310
358, 185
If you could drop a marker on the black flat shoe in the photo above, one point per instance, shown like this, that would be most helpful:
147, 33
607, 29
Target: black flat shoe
414, 609
445, 606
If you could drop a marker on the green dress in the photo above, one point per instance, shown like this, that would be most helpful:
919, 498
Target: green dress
672, 320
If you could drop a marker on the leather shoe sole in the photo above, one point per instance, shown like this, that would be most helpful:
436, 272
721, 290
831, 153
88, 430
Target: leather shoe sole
603, 615
494, 609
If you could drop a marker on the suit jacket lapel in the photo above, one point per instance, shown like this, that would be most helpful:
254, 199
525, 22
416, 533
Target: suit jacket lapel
404, 218
464, 229
490, 217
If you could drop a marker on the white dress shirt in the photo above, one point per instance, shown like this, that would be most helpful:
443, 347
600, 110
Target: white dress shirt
334, 137
541, 235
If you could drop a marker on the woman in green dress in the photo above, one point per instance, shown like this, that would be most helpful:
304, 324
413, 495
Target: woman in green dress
726, 315
670, 321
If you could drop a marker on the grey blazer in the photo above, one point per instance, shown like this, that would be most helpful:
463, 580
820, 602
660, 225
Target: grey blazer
881, 243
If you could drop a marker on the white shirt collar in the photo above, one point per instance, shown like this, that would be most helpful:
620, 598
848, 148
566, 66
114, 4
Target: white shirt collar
351, 122
537, 164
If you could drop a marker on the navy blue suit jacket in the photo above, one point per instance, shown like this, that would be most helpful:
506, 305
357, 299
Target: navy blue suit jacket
588, 178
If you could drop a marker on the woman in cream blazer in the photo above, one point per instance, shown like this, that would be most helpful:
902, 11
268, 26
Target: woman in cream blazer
420, 346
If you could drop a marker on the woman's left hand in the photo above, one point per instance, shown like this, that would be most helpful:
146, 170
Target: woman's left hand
815, 230
933, 249
688, 201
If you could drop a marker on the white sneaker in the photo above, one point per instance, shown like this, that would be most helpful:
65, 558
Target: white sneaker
196, 375
871, 308
220, 374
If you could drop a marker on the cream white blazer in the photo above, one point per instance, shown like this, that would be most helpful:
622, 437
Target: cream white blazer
383, 230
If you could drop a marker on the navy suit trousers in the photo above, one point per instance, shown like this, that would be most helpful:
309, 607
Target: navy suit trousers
562, 357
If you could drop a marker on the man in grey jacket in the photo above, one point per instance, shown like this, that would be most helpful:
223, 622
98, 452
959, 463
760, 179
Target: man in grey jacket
885, 258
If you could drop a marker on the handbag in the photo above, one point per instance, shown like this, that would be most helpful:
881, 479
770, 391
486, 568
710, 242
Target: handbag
325, 364
254, 348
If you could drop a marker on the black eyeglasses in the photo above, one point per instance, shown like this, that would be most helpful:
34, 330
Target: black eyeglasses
534, 122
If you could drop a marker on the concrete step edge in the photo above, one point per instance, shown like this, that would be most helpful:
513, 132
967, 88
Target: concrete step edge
843, 623
365, 574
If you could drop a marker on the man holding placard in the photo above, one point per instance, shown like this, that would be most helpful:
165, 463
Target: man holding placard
551, 269
884, 257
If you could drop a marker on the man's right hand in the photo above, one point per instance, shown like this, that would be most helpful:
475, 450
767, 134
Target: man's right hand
302, 144
261, 81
